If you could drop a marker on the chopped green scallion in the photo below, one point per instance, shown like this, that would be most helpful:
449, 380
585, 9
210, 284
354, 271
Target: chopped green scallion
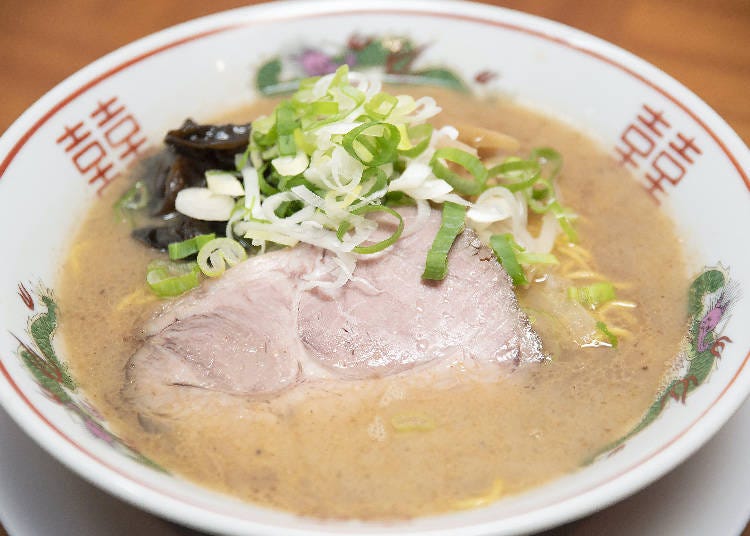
505, 248
374, 143
323, 108
517, 174
550, 161
468, 161
191, 246
286, 124
412, 422
302, 143
525, 257
378, 178
381, 105
541, 196
563, 219
419, 137
217, 254
167, 279
136, 198
452, 225
594, 295
611, 337
378, 246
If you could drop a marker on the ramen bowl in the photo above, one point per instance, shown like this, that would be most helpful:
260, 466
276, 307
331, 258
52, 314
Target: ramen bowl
60, 156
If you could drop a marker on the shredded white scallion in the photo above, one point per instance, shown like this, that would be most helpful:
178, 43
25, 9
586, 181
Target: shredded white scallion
329, 182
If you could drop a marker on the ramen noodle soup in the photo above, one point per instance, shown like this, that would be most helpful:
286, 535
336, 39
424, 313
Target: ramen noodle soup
333, 440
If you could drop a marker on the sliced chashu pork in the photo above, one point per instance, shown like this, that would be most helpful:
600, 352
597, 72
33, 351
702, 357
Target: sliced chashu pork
262, 327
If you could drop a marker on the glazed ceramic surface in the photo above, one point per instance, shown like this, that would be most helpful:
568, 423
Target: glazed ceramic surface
70, 146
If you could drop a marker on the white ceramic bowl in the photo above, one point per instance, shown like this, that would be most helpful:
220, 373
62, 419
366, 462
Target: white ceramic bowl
51, 169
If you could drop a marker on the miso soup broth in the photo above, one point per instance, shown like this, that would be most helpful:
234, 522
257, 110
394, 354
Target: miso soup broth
414, 443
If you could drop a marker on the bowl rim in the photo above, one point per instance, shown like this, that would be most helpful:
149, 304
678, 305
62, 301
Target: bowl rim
638, 475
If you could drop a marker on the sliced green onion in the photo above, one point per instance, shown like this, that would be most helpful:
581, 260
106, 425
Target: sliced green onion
525, 257
291, 166
306, 84
287, 183
451, 225
263, 125
242, 161
191, 246
398, 199
563, 219
265, 138
133, 200
287, 145
412, 422
381, 105
550, 161
271, 152
287, 208
358, 97
168, 279
263, 183
505, 248
541, 196
323, 108
379, 176
217, 254
522, 174
374, 143
422, 134
542, 190
378, 246
286, 124
469, 162
341, 78
302, 143
344, 226
594, 295
284, 149
611, 337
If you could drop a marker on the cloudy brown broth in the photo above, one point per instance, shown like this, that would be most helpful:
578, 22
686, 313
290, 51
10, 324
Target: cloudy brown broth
402, 446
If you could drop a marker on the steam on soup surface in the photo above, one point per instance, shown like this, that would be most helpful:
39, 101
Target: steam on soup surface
418, 442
